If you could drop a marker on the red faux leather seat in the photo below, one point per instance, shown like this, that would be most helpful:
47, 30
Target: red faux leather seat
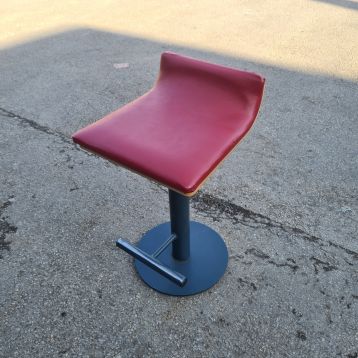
179, 131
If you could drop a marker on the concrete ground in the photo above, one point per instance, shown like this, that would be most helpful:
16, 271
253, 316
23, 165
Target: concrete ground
285, 201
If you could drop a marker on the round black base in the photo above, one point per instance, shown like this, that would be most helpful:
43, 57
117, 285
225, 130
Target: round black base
207, 262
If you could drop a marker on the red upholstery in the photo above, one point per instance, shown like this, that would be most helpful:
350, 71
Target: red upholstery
180, 130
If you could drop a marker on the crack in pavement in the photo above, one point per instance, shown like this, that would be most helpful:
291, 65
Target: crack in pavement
219, 209
31, 123
215, 208
326, 266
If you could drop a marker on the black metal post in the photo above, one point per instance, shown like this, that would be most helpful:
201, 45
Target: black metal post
180, 226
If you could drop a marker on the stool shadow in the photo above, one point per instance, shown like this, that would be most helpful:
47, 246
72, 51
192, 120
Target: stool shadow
67, 80
298, 158
64, 81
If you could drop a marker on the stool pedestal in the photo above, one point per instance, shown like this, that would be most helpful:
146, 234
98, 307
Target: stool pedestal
198, 252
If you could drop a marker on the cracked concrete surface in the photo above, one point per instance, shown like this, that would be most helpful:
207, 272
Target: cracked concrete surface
285, 203
63, 272
69, 292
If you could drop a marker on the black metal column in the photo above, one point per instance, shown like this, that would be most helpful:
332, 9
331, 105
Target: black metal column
179, 218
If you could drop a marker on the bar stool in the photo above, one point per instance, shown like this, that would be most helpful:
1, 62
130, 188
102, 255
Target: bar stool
177, 134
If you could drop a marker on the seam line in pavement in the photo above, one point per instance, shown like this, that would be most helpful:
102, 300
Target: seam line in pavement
214, 207
31, 123
218, 209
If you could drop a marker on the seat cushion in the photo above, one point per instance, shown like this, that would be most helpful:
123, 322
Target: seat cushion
178, 132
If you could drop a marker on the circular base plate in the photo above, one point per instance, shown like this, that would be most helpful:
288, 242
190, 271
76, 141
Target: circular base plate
207, 262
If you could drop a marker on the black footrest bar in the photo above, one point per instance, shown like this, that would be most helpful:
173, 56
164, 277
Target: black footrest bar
152, 262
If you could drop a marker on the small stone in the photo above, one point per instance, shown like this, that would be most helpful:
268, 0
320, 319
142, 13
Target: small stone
121, 65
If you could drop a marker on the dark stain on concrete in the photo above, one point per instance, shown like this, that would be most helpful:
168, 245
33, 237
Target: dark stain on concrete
296, 313
257, 253
301, 335
352, 355
326, 266
5, 228
263, 256
242, 282
293, 267
74, 187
